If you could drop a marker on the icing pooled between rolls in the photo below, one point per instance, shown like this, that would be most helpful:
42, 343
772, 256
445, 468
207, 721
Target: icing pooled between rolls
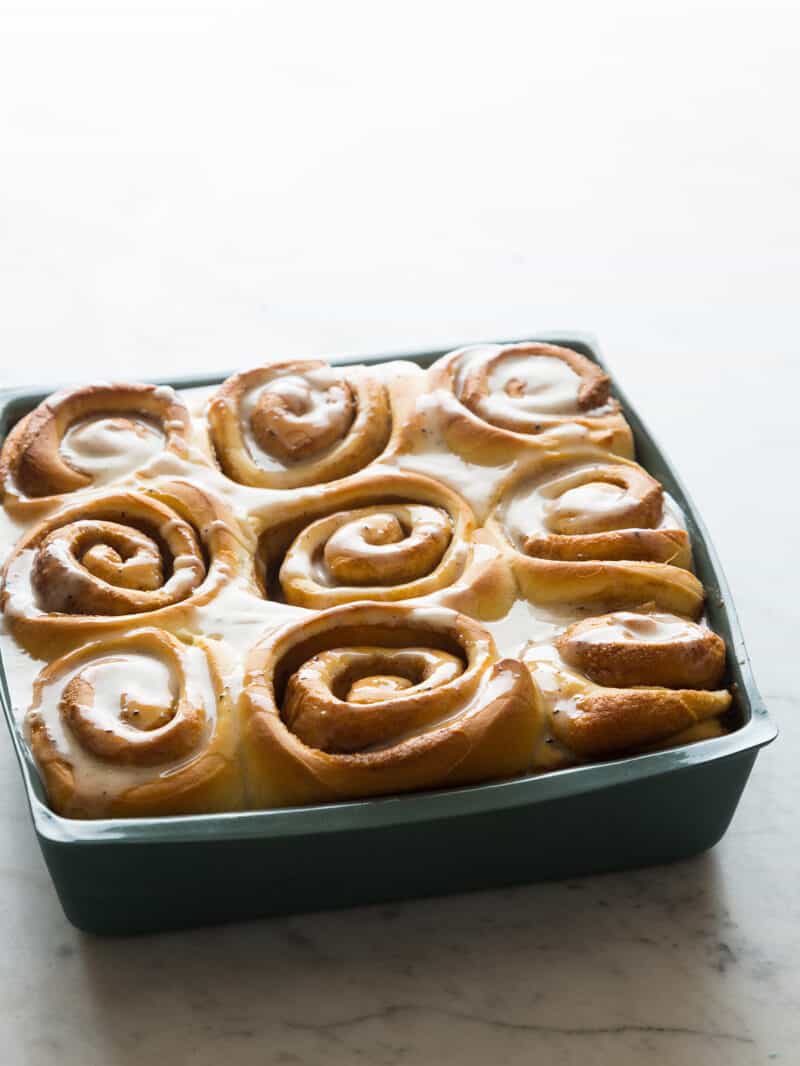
413, 523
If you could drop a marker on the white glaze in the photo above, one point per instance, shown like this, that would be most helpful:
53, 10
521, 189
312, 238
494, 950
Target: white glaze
595, 499
108, 448
654, 628
316, 398
540, 387
548, 386
240, 615
383, 532
528, 623
114, 677
495, 684
427, 453
559, 685
536, 504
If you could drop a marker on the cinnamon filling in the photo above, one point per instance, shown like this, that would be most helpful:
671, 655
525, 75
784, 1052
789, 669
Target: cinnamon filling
387, 547
522, 386
627, 648
349, 699
293, 420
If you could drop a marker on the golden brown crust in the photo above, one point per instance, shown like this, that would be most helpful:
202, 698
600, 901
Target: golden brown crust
36, 476
615, 721
627, 649
479, 723
611, 584
312, 424
625, 497
630, 681
351, 698
620, 545
566, 527
385, 537
523, 489
118, 559
593, 385
185, 761
489, 427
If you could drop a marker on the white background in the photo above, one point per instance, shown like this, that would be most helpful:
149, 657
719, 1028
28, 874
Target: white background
206, 184
188, 187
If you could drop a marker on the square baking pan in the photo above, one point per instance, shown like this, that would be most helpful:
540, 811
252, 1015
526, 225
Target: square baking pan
122, 876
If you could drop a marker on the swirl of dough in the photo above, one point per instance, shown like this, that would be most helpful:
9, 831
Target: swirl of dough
633, 648
521, 386
496, 399
601, 499
287, 425
623, 682
136, 724
114, 559
401, 543
384, 537
361, 678
387, 547
377, 698
103, 567
386, 551
85, 438
583, 530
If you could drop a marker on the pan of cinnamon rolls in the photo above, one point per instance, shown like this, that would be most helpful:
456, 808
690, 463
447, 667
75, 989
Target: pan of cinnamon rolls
325, 584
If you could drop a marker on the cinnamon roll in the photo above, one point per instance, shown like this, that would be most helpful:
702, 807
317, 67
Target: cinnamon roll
631, 648
585, 529
116, 559
370, 699
507, 395
291, 424
350, 540
384, 537
627, 681
137, 725
86, 437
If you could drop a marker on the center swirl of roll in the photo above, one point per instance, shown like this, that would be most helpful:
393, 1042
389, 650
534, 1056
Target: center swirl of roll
601, 500
294, 418
387, 547
132, 706
515, 387
103, 567
384, 546
627, 648
354, 699
107, 445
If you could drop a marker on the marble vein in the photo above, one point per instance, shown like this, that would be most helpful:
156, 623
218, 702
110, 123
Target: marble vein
399, 1009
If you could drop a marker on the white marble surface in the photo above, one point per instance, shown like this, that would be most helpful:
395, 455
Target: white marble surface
193, 186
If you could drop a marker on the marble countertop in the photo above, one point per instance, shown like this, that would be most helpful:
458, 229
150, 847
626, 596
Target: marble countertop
293, 192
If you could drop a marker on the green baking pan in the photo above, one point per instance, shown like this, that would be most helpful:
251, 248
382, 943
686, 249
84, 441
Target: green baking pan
127, 876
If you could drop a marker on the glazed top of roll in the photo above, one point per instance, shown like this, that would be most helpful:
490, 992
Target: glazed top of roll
87, 437
520, 386
299, 423
498, 486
